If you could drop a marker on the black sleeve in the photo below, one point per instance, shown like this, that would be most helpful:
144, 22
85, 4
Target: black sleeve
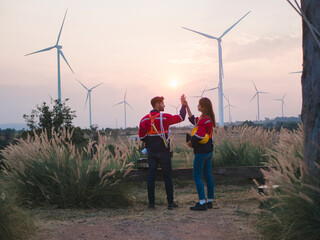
192, 119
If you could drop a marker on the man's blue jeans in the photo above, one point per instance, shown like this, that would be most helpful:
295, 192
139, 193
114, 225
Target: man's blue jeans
202, 163
164, 158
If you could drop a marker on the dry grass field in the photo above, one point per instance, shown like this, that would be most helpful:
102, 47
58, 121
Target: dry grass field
233, 217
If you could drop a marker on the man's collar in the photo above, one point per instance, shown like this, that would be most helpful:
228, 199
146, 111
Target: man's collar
154, 110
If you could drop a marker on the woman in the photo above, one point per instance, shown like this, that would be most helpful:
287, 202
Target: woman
202, 143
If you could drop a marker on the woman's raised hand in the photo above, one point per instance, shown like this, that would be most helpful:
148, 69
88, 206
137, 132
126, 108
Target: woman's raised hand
183, 100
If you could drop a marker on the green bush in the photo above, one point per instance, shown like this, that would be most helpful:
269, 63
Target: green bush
238, 154
55, 171
242, 145
15, 224
292, 212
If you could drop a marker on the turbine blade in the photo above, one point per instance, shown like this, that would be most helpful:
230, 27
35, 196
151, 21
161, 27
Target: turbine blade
51, 98
86, 100
96, 86
253, 97
284, 96
125, 95
295, 72
61, 27
204, 90
265, 92
82, 85
65, 60
255, 86
128, 105
118, 103
203, 34
195, 96
211, 89
43, 50
234, 25
222, 72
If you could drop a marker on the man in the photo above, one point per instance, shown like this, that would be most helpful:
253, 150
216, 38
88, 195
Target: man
153, 131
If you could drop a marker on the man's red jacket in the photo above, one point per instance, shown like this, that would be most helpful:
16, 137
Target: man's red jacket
155, 137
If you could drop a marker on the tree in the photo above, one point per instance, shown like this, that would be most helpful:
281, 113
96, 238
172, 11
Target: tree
310, 80
46, 117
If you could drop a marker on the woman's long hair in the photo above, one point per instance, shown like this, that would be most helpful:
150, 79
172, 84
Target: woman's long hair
208, 110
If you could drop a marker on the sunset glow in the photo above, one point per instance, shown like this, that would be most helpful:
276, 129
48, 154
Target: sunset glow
138, 50
174, 83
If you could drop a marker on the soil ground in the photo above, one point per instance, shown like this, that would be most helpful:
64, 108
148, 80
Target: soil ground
233, 217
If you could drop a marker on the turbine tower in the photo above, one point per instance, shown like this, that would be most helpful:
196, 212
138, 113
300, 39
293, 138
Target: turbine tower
59, 52
89, 96
257, 94
219, 39
125, 110
282, 103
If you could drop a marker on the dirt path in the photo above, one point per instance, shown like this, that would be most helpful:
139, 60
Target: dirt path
231, 218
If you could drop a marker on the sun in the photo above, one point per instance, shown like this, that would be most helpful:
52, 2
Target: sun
174, 83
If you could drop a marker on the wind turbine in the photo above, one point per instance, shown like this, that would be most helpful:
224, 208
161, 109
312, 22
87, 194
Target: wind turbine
59, 52
177, 108
125, 110
257, 94
228, 106
89, 96
282, 103
219, 39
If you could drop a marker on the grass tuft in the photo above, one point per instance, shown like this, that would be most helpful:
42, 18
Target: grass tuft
293, 211
15, 224
54, 171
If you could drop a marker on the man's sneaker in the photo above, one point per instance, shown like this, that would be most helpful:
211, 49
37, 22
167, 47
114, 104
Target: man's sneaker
199, 207
171, 206
151, 206
209, 205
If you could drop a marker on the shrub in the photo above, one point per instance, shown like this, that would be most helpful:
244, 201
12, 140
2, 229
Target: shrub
242, 146
294, 211
56, 172
14, 223
238, 154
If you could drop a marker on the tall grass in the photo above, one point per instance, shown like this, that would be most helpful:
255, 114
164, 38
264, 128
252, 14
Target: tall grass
15, 224
242, 146
293, 212
234, 146
54, 171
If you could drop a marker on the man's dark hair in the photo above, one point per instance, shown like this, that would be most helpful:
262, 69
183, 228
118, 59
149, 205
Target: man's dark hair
156, 100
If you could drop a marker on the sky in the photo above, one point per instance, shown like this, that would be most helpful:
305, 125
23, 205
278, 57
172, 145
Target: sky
139, 45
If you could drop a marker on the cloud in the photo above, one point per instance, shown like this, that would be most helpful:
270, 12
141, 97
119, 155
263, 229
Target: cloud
243, 49
195, 52
269, 48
